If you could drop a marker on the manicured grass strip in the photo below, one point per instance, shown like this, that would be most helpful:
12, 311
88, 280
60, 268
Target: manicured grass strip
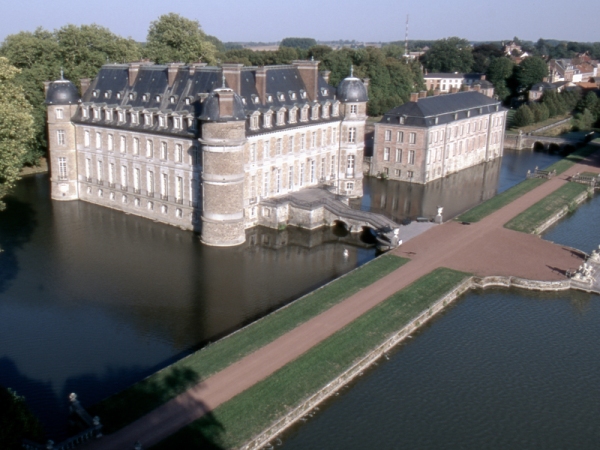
572, 159
141, 398
501, 200
539, 213
235, 422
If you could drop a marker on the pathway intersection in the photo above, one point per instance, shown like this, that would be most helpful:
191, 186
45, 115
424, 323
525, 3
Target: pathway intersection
484, 248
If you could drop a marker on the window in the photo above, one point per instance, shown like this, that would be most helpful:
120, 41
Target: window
111, 174
412, 138
267, 120
163, 150
352, 135
178, 153
278, 181
134, 119
178, 213
253, 153
322, 176
177, 123
312, 170
149, 148
178, 189
137, 202
315, 112
164, 209
353, 109
123, 144
399, 136
150, 182
293, 115
313, 139
110, 143
100, 171
88, 169
304, 114
388, 135
161, 121
398, 173
123, 177
280, 118
302, 142
291, 145
336, 109
326, 111
291, 177
411, 157
164, 186
136, 146
350, 165
60, 137
386, 154
148, 120
398, 155
150, 206
278, 145
333, 171
267, 149
59, 113
410, 174
266, 184
62, 168
301, 180
253, 189
349, 186
254, 122
334, 136
85, 113
136, 180
121, 116
96, 114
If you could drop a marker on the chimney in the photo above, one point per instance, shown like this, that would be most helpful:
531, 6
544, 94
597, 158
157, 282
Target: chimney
225, 103
195, 66
46, 86
172, 70
414, 97
366, 82
261, 83
233, 76
84, 84
482, 77
309, 72
134, 69
422, 94
325, 74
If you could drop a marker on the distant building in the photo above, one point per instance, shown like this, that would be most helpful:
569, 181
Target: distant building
200, 147
576, 70
443, 83
537, 90
431, 137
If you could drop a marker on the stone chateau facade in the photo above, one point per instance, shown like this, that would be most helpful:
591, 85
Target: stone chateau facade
431, 137
200, 147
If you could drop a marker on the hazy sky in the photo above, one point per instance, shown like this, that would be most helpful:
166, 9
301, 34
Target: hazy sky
270, 20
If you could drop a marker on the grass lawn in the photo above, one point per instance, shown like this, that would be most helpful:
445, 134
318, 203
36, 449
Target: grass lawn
539, 213
499, 201
495, 203
141, 398
237, 421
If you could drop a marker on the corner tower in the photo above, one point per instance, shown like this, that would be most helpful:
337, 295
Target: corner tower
352, 93
223, 137
62, 99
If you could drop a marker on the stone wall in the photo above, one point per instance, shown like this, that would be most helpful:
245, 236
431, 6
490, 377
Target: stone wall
563, 212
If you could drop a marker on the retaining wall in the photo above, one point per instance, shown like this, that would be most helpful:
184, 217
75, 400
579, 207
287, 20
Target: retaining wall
562, 212
357, 369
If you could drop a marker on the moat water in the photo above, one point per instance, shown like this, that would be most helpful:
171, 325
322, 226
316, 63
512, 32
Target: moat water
92, 300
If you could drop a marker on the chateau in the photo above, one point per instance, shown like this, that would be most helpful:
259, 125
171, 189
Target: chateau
200, 147
431, 137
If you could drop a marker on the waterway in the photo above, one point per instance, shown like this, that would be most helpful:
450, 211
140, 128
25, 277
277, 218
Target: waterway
92, 300
502, 368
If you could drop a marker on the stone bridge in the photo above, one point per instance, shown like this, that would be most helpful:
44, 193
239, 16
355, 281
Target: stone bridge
534, 142
314, 208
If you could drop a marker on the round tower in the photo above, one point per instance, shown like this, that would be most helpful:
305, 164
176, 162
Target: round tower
352, 94
223, 137
62, 99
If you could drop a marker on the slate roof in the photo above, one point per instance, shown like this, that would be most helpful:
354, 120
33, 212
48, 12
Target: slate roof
111, 88
446, 108
62, 92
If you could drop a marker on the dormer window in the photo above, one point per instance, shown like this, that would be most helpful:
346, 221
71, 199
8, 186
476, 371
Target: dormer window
145, 97
108, 115
315, 112
161, 121
177, 123
302, 94
157, 98
244, 100
254, 122
336, 109
134, 118
267, 120
281, 97
326, 111
255, 99
269, 98
304, 114
119, 95
401, 121
85, 113
293, 116
96, 114
107, 94
280, 118
187, 101
436, 120
148, 120
324, 92
468, 113
191, 123
455, 116
293, 95
171, 99
131, 96
121, 116
95, 93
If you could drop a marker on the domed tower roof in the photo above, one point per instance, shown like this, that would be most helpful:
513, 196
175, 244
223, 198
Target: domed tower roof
62, 92
352, 89
223, 104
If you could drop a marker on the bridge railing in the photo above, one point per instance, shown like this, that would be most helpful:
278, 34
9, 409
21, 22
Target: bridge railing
537, 173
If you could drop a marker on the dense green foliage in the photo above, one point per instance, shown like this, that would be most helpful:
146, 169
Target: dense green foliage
531, 70
523, 116
173, 38
235, 422
124, 407
17, 135
16, 421
302, 43
535, 216
449, 55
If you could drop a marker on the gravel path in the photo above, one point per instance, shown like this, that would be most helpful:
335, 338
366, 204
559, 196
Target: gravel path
483, 248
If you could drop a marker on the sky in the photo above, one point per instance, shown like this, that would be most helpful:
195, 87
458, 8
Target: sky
271, 21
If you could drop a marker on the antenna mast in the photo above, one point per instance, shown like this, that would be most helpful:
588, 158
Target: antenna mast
406, 39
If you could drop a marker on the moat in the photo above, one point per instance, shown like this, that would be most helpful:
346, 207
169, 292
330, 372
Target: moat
84, 288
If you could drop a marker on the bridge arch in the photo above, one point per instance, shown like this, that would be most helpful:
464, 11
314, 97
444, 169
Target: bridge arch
341, 228
368, 234
553, 148
538, 146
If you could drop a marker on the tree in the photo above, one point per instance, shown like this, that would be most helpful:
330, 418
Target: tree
483, 55
523, 116
301, 43
498, 73
531, 70
589, 102
173, 38
583, 120
17, 133
449, 55
17, 421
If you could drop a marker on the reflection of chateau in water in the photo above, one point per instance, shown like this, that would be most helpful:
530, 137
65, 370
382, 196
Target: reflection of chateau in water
457, 193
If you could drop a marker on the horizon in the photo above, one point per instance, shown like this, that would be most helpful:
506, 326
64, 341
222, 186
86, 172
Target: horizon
271, 21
